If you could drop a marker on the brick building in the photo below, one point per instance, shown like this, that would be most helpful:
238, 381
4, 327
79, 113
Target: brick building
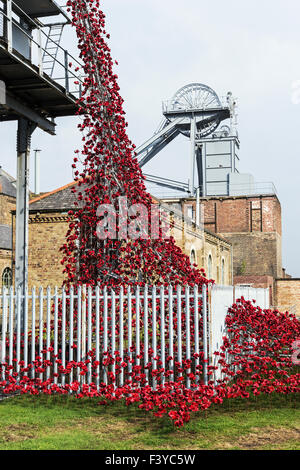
252, 224
287, 295
240, 243
48, 225
7, 204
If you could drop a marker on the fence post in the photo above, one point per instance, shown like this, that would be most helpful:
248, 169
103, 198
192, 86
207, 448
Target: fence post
171, 333
78, 331
55, 334
48, 329
71, 334
105, 332
97, 337
162, 333
137, 327
196, 327
179, 341
204, 319
25, 328
41, 327
11, 327
4, 328
89, 334
63, 334
154, 346
113, 332
83, 325
33, 331
187, 333
146, 347
18, 322
129, 331
121, 340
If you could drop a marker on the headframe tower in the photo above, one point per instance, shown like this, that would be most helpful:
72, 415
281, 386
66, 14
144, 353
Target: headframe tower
197, 112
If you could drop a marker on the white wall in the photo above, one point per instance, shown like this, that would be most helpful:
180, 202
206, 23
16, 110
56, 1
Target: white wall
222, 298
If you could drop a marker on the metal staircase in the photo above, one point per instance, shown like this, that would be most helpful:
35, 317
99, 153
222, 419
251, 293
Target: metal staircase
51, 47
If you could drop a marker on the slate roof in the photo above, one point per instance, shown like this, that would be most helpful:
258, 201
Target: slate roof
7, 184
5, 237
61, 199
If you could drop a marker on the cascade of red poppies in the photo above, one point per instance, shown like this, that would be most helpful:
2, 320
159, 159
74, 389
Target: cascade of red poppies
110, 171
257, 355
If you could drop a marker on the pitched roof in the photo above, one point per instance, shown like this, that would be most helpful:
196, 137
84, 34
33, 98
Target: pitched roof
5, 237
7, 184
61, 199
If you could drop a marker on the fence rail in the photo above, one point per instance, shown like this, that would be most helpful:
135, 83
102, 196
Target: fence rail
143, 336
108, 337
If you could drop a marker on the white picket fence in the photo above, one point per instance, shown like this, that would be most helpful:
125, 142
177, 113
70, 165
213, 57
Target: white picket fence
82, 320
152, 328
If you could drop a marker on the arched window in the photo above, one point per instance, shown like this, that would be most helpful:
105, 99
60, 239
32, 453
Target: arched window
193, 257
7, 278
209, 267
223, 271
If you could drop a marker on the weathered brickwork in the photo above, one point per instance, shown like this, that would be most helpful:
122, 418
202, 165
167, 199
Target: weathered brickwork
5, 262
202, 245
242, 214
242, 237
46, 235
7, 205
47, 230
256, 253
287, 295
251, 224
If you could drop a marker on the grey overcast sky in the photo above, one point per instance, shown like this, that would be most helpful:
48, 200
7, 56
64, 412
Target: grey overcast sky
248, 47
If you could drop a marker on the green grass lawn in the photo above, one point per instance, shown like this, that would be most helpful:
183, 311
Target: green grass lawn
57, 423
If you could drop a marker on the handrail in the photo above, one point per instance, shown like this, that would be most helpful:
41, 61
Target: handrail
69, 73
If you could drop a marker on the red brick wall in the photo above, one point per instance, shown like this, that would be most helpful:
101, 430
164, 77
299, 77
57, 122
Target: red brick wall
253, 226
243, 214
287, 295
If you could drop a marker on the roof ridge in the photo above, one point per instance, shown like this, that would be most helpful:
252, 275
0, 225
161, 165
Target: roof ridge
43, 196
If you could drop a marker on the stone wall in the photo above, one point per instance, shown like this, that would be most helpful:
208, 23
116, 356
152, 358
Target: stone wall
47, 234
256, 253
5, 262
203, 244
7, 205
287, 295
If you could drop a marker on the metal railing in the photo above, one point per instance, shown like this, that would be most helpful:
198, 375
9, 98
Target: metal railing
63, 337
245, 189
169, 106
30, 47
152, 328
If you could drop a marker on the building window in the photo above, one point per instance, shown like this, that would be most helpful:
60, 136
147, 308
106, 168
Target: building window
193, 257
7, 278
223, 272
209, 267
190, 212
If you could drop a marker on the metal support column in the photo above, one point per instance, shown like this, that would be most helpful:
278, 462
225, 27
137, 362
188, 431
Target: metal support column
25, 130
193, 150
